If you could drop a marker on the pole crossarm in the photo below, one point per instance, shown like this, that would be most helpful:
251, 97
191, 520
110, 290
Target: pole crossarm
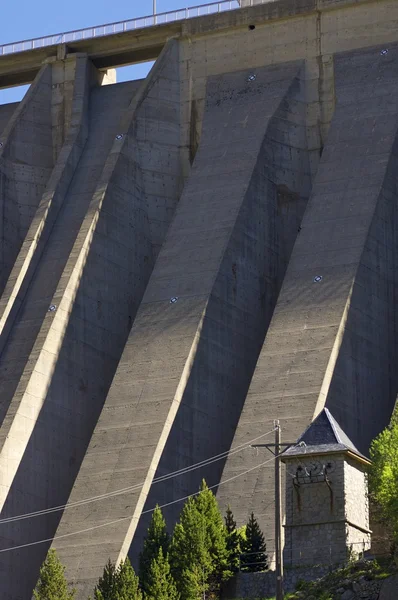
269, 447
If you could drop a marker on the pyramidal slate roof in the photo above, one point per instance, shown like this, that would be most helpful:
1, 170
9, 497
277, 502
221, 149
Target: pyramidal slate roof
324, 435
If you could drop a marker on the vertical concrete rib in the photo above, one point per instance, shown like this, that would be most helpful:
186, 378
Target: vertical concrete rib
333, 340
94, 267
6, 112
50, 203
218, 255
26, 162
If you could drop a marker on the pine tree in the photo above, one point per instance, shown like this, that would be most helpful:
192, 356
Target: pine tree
189, 556
52, 584
233, 541
118, 583
128, 582
253, 556
198, 552
160, 583
157, 537
193, 583
216, 536
107, 585
230, 522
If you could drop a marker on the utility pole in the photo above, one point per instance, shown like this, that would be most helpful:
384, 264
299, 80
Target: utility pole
154, 10
278, 514
276, 450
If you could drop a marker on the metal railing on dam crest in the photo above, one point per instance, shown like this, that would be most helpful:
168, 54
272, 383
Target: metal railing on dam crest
122, 26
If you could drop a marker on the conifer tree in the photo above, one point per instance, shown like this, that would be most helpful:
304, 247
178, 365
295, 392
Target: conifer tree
233, 541
160, 583
52, 584
189, 556
157, 537
207, 505
107, 585
118, 583
128, 582
198, 552
193, 584
253, 556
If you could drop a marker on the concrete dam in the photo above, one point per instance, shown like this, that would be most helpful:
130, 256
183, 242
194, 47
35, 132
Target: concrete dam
186, 258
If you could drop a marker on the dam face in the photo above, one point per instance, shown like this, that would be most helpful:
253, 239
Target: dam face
186, 258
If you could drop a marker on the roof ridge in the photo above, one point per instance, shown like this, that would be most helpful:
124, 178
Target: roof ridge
333, 423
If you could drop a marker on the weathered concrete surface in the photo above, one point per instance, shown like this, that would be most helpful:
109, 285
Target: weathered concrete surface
224, 258
31, 142
94, 266
26, 161
43, 221
6, 112
334, 342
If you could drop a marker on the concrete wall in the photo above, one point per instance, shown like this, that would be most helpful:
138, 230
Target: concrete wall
226, 278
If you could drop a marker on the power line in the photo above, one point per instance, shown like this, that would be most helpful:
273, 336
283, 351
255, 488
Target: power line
65, 535
134, 487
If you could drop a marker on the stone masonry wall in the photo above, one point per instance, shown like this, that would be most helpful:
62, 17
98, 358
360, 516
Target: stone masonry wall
324, 519
315, 527
262, 585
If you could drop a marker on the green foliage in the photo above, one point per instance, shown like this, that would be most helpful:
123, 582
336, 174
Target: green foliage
190, 557
216, 539
157, 537
253, 556
128, 582
198, 551
383, 481
233, 542
52, 584
118, 583
242, 533
107, 585
160, 583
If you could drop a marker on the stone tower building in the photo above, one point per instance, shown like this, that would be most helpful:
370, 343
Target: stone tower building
327, 511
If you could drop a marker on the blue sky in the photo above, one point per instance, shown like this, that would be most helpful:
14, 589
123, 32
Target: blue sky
24, 19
